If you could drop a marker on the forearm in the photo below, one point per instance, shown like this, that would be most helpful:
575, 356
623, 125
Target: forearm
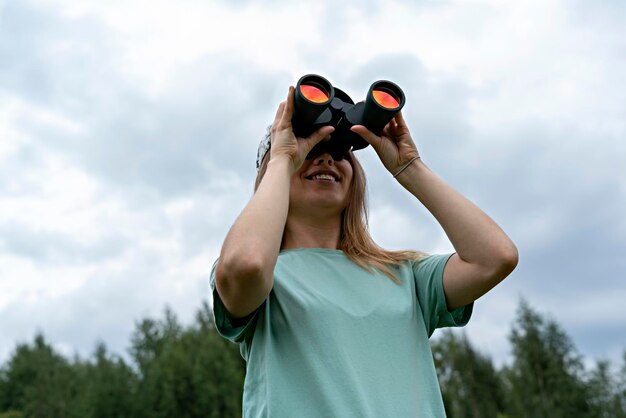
476, 238
254, 239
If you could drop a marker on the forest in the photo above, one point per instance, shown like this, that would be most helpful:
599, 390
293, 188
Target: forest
180, 371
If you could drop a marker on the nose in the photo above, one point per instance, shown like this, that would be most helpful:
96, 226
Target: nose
324, 158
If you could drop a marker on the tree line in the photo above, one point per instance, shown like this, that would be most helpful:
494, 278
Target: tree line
177, 371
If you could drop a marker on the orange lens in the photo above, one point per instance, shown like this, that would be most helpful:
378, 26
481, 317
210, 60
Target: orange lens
314, 94
385, 99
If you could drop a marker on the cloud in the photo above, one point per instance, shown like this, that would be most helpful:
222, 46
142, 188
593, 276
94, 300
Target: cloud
175, 143
55, 247
45, 55
129, 139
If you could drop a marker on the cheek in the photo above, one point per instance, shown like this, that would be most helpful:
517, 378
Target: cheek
297, 187
349, 176
349, 184
294, 186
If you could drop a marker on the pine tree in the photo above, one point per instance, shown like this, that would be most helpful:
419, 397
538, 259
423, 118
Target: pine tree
620, 390
546, 377
469, 382
108, 386
186, 373
177, 372
38, 382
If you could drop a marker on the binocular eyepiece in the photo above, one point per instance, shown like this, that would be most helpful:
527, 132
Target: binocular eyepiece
317, 103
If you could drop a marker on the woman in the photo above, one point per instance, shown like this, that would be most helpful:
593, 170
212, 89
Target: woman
330, 324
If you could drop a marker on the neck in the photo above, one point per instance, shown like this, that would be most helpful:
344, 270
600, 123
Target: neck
312, 233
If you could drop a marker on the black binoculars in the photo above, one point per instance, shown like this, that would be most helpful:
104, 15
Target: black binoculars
317, 103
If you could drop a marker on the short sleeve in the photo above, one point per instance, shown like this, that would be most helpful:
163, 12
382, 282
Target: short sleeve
233, 329
428, 274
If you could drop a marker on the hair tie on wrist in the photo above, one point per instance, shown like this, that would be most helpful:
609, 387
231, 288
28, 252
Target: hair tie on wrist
405, 166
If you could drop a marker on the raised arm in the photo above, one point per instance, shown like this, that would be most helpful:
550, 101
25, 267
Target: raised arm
245, 271
484, 253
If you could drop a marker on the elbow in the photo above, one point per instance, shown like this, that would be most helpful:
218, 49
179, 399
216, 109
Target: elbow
233, 266
243, 268
498, 265
506, 261
241, 284
511, 257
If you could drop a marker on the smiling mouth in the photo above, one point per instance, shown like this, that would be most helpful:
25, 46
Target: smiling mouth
325, 178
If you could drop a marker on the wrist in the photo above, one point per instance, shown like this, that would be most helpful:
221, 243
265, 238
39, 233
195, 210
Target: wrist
403, 167
411, 171
281, 162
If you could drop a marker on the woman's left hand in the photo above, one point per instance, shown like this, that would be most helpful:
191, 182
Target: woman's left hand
394, 146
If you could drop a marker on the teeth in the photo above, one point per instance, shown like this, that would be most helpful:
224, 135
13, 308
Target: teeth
323, 177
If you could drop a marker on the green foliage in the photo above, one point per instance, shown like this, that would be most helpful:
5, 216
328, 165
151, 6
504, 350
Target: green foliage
108, 386
11, 414
38, 382
178, 371
469, 382
608, 390
546, 377
187, 373
621, 387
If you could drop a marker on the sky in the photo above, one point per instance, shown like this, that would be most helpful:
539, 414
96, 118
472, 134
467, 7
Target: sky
129, 131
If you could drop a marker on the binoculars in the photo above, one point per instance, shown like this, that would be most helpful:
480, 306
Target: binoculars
317, 103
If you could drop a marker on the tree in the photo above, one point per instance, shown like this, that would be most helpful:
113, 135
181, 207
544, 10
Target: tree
186, 373
617, 388
38, 382
176, 372
604, 392
108, 386
11, 414
621, 385
469, 382
546, 377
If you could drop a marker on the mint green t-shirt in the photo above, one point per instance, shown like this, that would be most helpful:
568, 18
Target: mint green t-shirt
334, 340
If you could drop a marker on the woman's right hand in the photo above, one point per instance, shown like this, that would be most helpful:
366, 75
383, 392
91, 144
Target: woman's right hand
284, 142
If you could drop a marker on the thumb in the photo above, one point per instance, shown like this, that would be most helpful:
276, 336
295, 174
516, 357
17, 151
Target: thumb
373, 139
317, 136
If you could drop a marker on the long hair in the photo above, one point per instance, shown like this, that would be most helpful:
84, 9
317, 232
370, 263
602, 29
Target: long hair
355, 240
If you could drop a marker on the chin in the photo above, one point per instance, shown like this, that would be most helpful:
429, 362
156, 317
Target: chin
316, 204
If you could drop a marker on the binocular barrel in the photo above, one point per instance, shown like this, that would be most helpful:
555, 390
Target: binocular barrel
384, 99
313, 95
317, 103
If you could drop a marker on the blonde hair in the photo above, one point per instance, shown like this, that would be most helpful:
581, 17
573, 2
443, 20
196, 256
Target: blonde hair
355, 240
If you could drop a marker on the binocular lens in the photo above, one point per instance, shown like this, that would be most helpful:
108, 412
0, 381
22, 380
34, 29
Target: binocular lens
317, 103
314, 93
386, 99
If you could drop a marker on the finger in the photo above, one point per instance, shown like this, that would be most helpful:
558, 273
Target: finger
285, 120
393, 128
401, 126
317, 136
279, 112
400, 119
373, 139
274, 126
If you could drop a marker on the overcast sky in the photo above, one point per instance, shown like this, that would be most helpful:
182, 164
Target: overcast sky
129, 129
